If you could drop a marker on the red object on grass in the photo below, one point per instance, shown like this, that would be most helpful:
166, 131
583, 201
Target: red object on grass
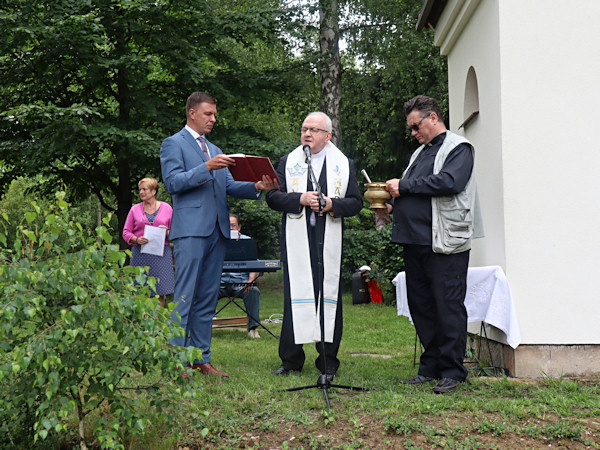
375, 291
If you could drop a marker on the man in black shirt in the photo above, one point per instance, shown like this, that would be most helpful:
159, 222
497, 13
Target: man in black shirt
434, 218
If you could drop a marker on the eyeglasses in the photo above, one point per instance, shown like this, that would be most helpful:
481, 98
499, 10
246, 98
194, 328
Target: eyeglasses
305, 130
415, 126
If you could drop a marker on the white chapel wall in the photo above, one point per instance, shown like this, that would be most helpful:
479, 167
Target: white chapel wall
537, 154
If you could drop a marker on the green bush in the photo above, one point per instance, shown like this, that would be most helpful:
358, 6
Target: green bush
259, 222
366, 245
77, 336
16, 200
14, 206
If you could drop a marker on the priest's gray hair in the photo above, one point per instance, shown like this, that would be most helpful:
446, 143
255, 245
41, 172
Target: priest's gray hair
328, 124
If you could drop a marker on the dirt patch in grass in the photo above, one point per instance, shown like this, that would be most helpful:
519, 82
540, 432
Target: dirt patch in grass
448, 429
454, 431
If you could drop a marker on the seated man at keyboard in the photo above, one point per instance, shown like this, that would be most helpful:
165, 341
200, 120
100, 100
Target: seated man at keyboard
235, 284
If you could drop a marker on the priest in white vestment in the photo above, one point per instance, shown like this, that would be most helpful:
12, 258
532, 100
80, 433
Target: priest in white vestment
304, 232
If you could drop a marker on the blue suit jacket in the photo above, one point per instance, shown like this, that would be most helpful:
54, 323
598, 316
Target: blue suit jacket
199, 196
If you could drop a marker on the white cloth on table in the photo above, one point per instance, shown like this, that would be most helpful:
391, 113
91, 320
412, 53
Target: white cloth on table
488, 300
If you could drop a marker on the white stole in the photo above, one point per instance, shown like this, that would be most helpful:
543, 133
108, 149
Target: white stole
305, 315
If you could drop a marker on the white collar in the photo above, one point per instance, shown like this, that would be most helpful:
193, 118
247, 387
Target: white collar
319, 155
194, 133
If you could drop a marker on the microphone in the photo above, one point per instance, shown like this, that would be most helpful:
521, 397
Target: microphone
306, 149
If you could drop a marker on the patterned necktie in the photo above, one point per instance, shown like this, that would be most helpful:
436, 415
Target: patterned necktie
204, 147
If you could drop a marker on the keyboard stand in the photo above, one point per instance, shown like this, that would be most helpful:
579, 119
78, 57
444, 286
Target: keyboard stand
237, 321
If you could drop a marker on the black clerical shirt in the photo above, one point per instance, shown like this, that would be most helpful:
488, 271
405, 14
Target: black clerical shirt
412, 210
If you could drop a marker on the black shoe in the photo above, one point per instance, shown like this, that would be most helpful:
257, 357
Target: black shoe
284, 371
330, 375
418, 379
445, 385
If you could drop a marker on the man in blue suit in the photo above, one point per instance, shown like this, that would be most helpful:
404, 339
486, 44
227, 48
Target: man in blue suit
195, 173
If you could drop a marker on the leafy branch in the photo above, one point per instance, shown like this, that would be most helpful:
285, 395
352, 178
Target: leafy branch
73, 334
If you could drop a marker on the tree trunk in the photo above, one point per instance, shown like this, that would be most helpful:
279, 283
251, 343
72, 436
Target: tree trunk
81, 416
98, 213
331, 67
123, 194
124, 198
82, 443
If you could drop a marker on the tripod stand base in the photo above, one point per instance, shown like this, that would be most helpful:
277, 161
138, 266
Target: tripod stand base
324, 382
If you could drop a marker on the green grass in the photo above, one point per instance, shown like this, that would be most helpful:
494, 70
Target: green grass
251, 410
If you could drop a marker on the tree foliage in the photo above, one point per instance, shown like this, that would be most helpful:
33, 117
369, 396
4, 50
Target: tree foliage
90, 88
77, 335
386, 63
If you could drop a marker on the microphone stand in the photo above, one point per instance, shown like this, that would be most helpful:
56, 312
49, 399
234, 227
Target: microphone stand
324, 380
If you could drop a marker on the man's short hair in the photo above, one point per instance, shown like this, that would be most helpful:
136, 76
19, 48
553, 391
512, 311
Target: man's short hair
198, 97
328, 124
424, 105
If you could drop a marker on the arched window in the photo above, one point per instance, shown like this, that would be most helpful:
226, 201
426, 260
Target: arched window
471, 105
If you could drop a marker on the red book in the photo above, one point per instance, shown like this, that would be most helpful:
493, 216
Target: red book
251, 168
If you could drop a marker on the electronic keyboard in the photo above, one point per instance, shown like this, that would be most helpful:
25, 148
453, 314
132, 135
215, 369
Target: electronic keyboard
256, 265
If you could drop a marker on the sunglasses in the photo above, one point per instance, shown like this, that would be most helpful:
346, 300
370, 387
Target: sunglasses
415, 126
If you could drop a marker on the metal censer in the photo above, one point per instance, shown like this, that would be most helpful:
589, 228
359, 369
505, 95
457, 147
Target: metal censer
376, 195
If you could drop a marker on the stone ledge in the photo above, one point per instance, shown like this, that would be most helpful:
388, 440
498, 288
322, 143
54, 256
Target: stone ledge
541, 361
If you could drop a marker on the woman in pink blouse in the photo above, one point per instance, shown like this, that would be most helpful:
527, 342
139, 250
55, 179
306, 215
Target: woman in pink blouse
153, 213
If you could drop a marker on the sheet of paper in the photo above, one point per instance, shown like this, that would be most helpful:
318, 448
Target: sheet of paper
156, 240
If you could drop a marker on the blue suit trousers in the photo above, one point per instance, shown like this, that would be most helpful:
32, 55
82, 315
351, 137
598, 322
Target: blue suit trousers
198, 268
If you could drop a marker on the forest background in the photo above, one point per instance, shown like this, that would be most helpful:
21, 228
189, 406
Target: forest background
91, 88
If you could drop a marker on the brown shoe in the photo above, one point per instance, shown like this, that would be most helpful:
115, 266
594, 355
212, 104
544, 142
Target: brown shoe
208, 369
185, 375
